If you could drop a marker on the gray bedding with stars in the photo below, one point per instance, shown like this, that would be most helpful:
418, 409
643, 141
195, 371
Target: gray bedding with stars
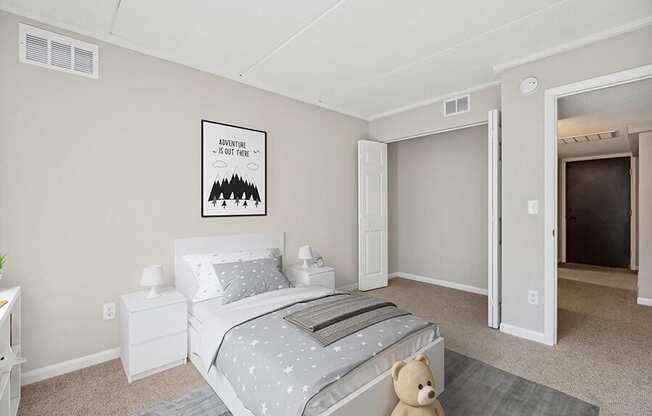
277, 369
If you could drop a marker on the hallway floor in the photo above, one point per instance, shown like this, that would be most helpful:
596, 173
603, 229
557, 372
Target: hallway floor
601, 276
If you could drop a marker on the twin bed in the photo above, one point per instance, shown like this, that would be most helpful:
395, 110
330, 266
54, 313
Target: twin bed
260, 364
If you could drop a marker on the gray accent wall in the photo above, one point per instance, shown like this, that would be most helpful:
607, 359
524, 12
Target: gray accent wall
438, 206
98, 177
523, 161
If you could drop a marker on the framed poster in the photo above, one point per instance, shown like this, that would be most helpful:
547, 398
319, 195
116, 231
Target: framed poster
233, 170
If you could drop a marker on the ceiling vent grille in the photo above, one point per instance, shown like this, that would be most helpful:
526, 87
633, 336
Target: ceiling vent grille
54, 51
457, 105
589, 137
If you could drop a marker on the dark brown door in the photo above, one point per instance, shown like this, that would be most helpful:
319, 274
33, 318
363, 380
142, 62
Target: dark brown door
598, 212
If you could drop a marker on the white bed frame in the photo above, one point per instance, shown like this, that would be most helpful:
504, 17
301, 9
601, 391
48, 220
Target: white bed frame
376, 398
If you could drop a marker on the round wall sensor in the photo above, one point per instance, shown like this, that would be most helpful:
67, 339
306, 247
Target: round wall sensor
529, 85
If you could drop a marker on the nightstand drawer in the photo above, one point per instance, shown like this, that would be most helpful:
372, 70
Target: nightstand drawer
313, 276
150, 355
158, 322
323, 279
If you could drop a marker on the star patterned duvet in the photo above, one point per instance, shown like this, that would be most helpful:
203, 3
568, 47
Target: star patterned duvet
276, 369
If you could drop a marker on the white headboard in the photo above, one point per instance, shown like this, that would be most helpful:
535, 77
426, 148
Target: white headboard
185, 282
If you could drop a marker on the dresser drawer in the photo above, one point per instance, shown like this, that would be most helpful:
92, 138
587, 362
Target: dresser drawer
158, 322
159, 352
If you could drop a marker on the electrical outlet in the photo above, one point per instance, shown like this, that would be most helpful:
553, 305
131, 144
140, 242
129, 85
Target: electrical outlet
108, 311
533, 207
533, 297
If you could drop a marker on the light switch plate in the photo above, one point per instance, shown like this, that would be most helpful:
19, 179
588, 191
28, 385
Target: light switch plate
533, 207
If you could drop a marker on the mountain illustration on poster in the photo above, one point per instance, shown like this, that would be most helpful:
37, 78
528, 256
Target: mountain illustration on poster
236, 188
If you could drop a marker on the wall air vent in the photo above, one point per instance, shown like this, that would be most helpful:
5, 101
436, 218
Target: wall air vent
457, 105
51, 50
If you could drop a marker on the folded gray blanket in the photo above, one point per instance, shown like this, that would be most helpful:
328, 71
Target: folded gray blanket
334, 310
341, 329
331, 320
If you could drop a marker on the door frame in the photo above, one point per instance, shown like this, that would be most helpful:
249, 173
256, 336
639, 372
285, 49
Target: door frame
551, 97
494, 275
632, 192
494, 206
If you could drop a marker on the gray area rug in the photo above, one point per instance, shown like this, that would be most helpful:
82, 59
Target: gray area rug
476, 388
201, 401
473, 388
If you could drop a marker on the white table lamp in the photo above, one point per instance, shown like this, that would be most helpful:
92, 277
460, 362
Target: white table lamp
152, 278
305, 254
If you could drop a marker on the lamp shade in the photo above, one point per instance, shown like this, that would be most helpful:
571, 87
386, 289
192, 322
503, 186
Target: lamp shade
305, 253
152, 275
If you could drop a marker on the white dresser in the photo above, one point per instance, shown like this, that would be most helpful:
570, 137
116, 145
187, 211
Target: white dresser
153, 332
10, 352
320, 276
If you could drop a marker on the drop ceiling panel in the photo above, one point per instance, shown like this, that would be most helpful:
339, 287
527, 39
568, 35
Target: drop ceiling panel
93, 16
227, 36
365, 39
470, 63
363, 57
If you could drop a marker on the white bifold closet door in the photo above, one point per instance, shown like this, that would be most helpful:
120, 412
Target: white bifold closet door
373, 263
494, 155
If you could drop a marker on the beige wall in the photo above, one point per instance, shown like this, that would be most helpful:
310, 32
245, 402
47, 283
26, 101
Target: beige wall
645, 215
98, 178
438, 206
523, 161
430, 119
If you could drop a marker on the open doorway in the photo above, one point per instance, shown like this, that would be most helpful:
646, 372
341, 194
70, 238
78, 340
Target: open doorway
597, 128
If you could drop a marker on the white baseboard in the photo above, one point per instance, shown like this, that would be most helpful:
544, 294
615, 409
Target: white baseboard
645, 301
348, 288
64, 367
528, 334
439, 282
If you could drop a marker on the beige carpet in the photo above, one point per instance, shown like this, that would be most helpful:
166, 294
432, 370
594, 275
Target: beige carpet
604, 355
103, 390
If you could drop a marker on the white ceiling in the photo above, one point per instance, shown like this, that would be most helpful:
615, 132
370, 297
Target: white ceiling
361, 57
606, 109
615, 108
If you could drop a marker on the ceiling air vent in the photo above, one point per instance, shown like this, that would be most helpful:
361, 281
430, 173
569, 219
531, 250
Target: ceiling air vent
54, 51
457, 105
588, 137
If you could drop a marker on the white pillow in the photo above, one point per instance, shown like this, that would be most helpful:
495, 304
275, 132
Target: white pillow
201, 266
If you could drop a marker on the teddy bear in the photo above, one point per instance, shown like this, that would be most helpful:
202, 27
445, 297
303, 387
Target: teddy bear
414, 388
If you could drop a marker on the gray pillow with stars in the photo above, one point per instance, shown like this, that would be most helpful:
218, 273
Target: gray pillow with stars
243, 279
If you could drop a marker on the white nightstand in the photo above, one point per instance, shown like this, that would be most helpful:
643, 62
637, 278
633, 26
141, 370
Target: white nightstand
153, 332
320, 276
